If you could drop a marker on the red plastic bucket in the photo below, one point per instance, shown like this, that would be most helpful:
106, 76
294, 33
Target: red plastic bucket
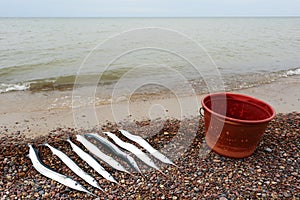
235, 123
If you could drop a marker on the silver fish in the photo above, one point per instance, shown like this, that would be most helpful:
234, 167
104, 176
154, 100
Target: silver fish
133, 149
91, 161
94, 150
74, 167
46, 171
126, 157
143, 143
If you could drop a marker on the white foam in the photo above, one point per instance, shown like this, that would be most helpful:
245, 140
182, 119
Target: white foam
293, 72
13, 87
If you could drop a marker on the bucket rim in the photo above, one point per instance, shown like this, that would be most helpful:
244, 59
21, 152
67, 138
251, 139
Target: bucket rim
273, 113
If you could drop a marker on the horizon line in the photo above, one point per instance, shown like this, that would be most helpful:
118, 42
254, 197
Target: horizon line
234, 16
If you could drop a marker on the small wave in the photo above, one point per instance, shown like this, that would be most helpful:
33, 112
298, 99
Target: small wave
13, 87
293, 72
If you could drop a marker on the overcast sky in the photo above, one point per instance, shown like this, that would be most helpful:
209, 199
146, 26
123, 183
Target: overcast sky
147, 8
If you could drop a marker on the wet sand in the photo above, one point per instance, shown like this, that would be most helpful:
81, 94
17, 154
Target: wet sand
34, 114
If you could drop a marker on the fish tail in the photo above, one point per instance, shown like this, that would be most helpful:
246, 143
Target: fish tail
143, 175
100, 188
90, 193
175, 165
127, 172
120, 185
162, 173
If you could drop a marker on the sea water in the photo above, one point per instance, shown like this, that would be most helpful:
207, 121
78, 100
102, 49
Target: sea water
41, 54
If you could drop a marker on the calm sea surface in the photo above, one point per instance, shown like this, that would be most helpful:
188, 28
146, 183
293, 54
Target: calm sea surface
46, 53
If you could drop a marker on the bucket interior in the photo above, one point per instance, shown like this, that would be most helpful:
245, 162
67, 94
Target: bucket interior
238, 107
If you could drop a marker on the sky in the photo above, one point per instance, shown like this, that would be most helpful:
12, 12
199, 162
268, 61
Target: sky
148, 8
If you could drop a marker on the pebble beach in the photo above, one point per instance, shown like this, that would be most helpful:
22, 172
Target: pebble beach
60, 77
272, 172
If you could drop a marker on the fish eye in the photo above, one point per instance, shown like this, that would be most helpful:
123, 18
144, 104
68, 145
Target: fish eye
76, 184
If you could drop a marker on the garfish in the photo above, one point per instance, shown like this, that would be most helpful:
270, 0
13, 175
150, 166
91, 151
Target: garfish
133, 149
91, 162
94, 150
49, 173
126, 157
74, 167
143, 143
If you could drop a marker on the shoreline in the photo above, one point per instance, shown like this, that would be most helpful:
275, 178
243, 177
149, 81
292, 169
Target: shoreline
33, 114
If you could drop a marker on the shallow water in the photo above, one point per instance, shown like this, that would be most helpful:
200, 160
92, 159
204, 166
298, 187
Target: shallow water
46, 53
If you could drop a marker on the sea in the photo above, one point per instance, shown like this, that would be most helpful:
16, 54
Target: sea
147, 55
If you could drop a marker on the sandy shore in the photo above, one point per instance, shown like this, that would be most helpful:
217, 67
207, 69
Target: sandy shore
35, 114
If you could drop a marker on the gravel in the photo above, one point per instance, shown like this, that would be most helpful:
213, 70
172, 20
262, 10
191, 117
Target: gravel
272, 172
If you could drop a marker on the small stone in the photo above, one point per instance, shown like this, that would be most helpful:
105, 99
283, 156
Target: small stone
259, 183
21, 174
122, 181
268, 150
273, 182
286, 194
216, 160
294, 173
174, 197
222, 198
46, 195
36, 195
281, 167
258, 170
166, 133
8, 177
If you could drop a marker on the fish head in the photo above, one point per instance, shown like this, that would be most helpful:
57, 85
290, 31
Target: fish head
78, 137
32, 150
46, 144
74, 184
107, 133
